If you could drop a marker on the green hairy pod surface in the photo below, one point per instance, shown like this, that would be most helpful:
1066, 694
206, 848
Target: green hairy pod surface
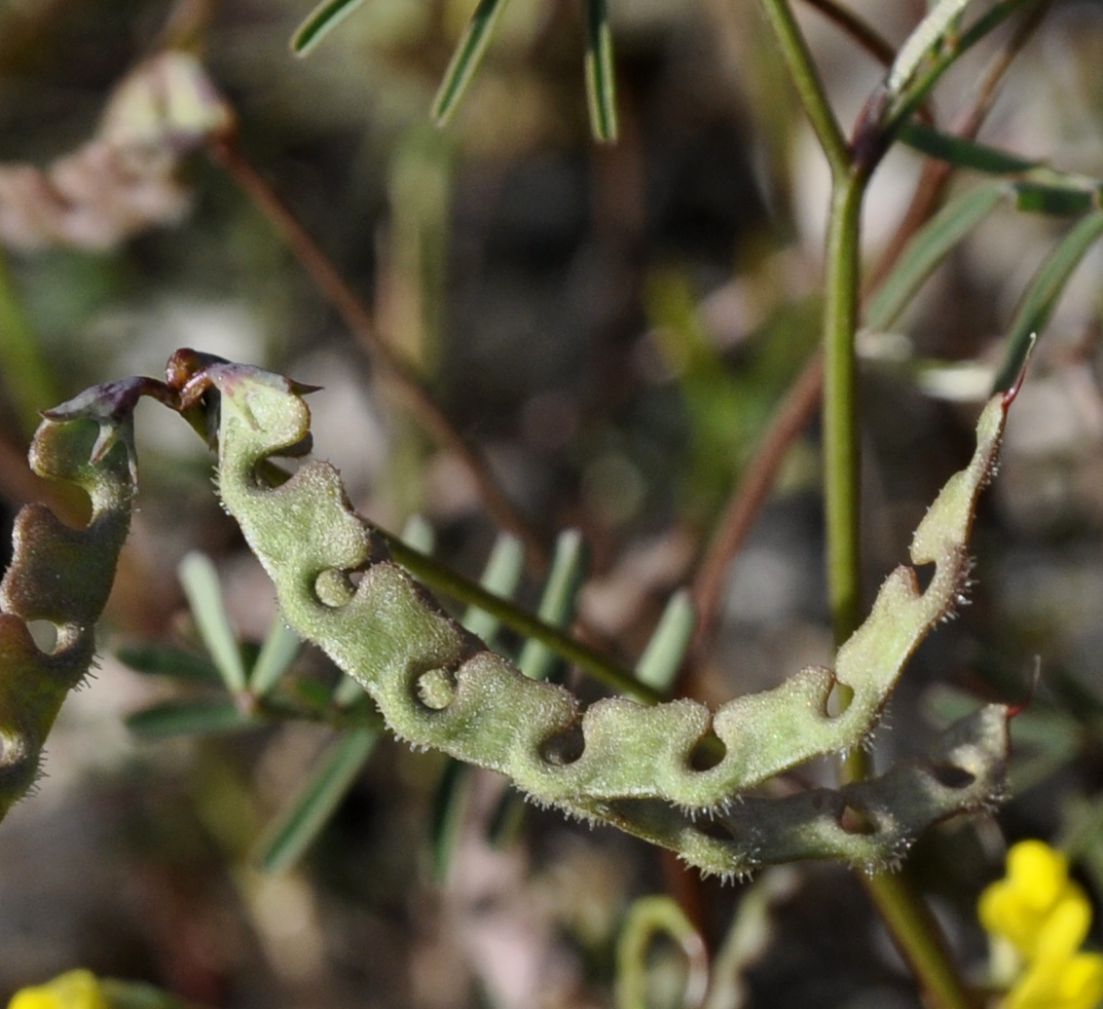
60, 577
618, 761
675, 774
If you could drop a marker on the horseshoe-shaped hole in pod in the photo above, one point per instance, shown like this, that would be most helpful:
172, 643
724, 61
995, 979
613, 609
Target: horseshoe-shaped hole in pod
924, 575
564, 748
45, 634
854, 820
291, 458
436, 688
952, 776
277, 469
707, 752
708, 826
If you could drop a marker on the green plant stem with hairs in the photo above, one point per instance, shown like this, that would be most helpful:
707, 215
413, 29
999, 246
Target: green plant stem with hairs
903, 911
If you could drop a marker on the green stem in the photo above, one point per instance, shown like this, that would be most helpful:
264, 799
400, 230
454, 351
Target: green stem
840, 404
806, 80
919, 938
908, 919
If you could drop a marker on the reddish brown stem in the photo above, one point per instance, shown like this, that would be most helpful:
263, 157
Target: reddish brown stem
735, 524
859, 30
405, 381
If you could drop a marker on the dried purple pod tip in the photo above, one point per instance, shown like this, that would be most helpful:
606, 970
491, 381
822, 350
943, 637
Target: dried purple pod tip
111, 405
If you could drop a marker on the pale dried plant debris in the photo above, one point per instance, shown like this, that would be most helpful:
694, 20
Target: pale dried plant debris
124, 180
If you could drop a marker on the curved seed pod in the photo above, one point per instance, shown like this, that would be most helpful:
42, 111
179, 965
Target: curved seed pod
868, 824
61, 575
439, 687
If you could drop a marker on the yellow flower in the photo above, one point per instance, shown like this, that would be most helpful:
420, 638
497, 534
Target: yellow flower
1040, 916
77, 989
1036, 907
1072, 983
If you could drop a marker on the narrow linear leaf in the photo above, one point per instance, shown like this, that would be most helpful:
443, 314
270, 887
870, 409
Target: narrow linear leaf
347, 692
308, 813
1057, 201
200, 581
449, 804
501, 576
465, 61
419, 534
557, 604
922, 40
504, 826
319, 23
280, 648
187, 718
929, 247
163, 660
1040, 297
658, 666
600, 78
950, 49
963, 152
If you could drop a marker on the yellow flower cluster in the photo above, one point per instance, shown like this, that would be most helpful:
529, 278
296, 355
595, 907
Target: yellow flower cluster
1044, 917
77, 989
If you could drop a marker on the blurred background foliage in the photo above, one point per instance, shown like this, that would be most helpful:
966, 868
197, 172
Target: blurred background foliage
615, 326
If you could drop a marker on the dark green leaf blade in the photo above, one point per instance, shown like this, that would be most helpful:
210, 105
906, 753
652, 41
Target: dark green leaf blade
962, 152
465, 61
187, 718
308, 813
449, 804
1056, 201
164, 660
319, 23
